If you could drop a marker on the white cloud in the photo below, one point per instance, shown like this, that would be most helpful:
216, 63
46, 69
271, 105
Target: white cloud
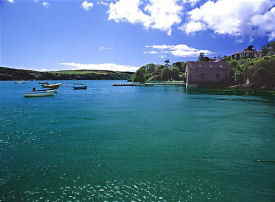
233, 17
152, 52
266, 23
180, 50
107, 66
104, 2
86, 5
156, 14
45, 4
192, 26
42, 3
10, 1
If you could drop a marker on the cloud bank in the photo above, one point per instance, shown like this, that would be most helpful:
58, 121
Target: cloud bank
237, 18
156, 14
233, 17
180, 50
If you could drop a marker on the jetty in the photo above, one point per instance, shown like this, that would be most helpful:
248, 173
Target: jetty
128, 84
158, 83
166, 83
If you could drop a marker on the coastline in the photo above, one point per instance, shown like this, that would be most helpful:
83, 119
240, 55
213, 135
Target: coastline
27, 75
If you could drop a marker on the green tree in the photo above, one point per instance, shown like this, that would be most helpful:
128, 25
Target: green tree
180, 65
202, 57
269, 49
175, 73
139, 75
167, 63
165, 74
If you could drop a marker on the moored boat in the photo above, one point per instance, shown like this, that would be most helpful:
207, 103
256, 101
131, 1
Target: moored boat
46, 90
39, 94
42, 83
51, 86
80, 87
20, 82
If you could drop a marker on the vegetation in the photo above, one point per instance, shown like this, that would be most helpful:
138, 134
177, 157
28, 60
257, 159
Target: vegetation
21, 74
255, 72
269, 49
203, 58
153, 72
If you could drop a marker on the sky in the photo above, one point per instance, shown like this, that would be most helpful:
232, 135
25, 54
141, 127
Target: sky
123, 35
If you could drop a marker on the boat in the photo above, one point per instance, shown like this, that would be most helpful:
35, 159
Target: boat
42, 83
80, 87
39, 94
51, 86
20, 82
45, 90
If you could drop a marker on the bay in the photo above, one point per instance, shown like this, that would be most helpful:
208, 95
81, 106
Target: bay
157, 143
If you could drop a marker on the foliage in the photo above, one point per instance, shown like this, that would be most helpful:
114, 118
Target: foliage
202, 57
153, 72
260, 72
269, 49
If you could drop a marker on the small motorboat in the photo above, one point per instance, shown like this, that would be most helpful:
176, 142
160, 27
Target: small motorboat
39, 94
44, 90
52, 86
20, 82
42, 83
80, 87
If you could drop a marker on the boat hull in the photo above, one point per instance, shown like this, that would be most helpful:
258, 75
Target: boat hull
51, 86
80, 87
44, 94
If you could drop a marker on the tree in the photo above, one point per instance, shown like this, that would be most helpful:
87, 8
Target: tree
139, 75
202, 57
165, 74
269, 49
251, 47
180, 65
167, 63
175, 73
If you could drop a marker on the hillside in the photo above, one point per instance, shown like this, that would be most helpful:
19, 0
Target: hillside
258, 73
153, 72
21, 74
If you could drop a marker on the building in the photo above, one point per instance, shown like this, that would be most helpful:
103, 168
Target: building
206, 74
249, 52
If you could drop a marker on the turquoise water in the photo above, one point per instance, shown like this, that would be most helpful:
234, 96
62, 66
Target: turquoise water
135, 144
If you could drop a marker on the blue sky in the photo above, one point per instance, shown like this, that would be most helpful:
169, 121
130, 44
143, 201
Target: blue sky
125, 34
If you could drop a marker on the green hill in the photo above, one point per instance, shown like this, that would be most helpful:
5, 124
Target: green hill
153, 72
21, 74
255, 73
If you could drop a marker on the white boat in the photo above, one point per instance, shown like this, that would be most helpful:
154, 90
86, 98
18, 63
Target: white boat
49, 90
40, 94
20, 82
51, 86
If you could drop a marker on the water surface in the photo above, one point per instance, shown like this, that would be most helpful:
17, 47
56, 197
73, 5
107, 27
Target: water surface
135, 144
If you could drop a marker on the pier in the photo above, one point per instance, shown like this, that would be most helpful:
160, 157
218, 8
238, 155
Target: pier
129, 84
165, 83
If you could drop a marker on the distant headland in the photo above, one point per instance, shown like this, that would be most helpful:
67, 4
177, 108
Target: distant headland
21, 74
